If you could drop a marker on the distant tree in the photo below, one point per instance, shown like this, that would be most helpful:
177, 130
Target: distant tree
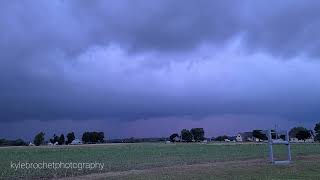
93, 137
54, 139
17, 142
317, 131
300, 133
221, 138
294, 131
70, 137
86, 137
51, 140
173, 136
317, 128
303, 135
198, 134
258, 134
317, 137
61, 139
101, 137
186, 135
39, 139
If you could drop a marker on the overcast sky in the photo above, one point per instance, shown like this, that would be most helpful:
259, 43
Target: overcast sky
150, 68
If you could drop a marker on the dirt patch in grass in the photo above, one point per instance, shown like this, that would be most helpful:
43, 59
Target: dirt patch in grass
179, 169
171, 168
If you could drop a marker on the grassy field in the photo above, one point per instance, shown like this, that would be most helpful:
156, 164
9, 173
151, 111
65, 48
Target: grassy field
166, 161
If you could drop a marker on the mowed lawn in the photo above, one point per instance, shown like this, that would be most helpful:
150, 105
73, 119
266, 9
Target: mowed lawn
165, 161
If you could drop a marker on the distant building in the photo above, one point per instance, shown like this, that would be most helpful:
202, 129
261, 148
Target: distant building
296, 140
176, 139
245, 136
76, 141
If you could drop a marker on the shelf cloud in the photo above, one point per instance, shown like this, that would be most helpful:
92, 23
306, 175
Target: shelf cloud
129, 61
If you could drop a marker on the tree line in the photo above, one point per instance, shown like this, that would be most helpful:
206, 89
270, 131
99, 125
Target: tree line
301, 133
87, 137
195, 134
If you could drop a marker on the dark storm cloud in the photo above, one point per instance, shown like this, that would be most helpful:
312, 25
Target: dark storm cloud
56, 61
286, 27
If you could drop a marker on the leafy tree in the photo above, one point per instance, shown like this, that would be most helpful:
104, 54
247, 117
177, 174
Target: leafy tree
93, 137
221, 138
303, 135
198, 134
70, 137
300, 133
61, 139
186, 135
317, 131
294, 131
39, 139
317, 128
86, 137
17, 142
54, 139
101, 137
258, 134
173, 136
317, 137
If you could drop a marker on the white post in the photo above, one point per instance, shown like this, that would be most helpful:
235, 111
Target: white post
270, 146
288, 146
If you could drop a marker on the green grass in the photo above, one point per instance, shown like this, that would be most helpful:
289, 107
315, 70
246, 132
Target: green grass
124, 157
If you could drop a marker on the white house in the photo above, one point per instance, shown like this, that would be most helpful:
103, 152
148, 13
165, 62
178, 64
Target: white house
245, 136
76, 141
296, 140
176, 139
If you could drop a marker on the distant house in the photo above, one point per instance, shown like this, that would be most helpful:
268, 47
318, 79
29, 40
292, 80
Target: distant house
176, 139
76, 141
245, 136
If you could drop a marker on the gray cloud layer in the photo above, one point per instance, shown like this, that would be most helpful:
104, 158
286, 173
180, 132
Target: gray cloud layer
128, 60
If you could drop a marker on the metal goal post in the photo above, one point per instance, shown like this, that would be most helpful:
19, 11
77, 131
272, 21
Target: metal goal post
278, 140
